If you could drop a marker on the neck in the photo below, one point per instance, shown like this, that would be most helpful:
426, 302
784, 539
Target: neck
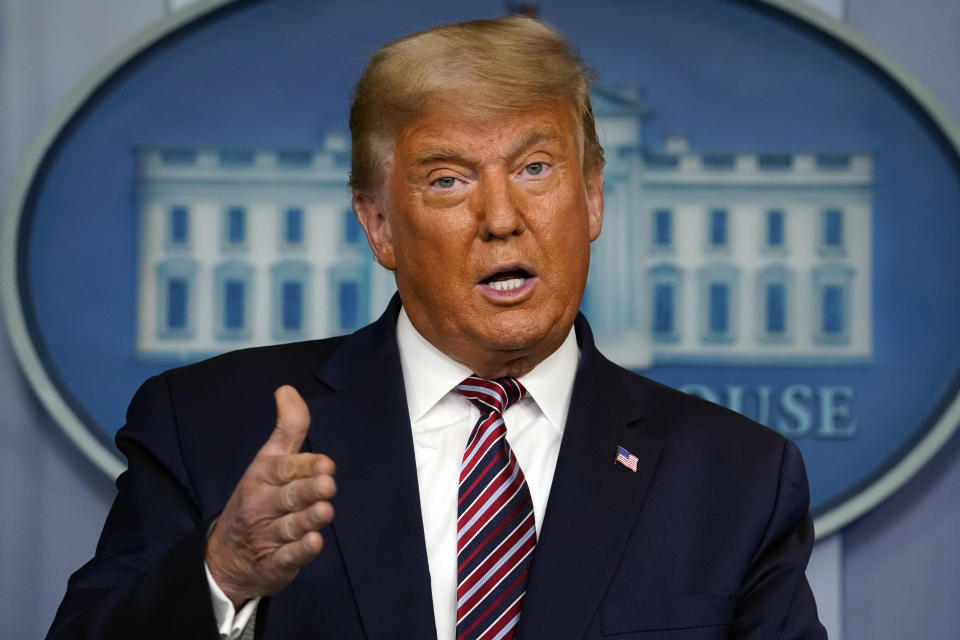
486, 361
498, 365
491, 363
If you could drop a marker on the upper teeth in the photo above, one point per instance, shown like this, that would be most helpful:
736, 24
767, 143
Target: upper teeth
506, 285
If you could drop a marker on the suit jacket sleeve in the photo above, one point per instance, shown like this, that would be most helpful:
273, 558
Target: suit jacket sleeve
775, 600
147, 578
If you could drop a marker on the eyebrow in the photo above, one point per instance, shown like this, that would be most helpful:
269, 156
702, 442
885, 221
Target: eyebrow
536, 136
531, 138
431, 155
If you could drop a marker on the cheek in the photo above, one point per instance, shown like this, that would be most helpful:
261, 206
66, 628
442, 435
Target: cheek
565, 228
429, 249
568, 250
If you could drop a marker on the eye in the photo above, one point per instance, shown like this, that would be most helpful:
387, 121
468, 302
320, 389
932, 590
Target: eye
535, 168
446, 182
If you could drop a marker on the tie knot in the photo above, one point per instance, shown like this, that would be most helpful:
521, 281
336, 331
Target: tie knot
491, 395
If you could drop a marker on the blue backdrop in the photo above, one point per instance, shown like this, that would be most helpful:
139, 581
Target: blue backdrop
278, 74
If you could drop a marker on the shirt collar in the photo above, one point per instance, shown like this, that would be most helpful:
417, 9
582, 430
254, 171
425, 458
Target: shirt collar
551, 382
429, 374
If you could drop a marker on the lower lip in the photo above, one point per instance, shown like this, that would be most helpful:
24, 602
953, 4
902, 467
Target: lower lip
510, 295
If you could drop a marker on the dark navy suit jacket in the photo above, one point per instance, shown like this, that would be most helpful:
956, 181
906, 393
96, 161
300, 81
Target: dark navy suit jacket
708, 539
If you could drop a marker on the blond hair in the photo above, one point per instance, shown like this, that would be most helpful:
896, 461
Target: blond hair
484, 69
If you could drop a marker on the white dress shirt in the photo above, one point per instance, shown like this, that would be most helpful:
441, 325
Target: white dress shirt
441, 420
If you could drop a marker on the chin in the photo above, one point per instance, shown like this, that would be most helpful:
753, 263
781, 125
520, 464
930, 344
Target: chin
518, 333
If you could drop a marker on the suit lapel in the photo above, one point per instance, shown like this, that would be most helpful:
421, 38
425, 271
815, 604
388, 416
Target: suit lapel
593, 502
365, 428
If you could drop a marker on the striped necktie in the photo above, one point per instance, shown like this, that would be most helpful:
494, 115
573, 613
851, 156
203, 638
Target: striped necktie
495, 526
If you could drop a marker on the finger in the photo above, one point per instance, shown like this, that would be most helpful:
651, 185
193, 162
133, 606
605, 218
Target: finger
293, 421
283, 469
294, 526
303, 492
294, 555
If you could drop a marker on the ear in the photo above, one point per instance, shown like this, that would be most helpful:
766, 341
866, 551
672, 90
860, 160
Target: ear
372, 216
594, 184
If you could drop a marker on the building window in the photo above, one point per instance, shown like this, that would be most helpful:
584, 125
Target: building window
291, 302
718, 232
293, 226
348, 301
776, 303
349, 295
291, 305
719, 308
775, 229
352, 231
718, 303
833, 230
235, 227
665, 296
178, 227
832, 311
234, 291
663, 309
175, 279
177, 289
774, 292
832, 286
662, 228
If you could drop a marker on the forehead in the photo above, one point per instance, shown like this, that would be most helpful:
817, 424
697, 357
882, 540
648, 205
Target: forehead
443, 131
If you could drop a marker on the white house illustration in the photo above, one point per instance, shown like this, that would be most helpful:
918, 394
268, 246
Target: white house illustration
720, 257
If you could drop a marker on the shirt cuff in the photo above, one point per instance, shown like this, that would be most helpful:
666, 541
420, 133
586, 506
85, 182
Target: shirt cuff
230, 622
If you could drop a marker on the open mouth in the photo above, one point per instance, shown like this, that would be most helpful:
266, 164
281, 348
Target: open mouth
508, 280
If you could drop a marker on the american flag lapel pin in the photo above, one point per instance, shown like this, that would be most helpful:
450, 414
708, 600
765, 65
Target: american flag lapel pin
627, 459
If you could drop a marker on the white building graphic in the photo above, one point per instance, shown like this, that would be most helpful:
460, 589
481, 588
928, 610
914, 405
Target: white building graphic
242, 248
705, 256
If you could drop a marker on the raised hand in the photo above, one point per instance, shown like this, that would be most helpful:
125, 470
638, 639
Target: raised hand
270, 525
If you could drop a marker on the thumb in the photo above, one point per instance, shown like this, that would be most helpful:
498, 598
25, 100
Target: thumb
293, 421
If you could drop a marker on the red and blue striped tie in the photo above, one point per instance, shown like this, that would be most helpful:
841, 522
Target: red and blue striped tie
495, 526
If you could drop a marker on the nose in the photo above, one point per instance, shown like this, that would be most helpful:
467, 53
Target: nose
499, 211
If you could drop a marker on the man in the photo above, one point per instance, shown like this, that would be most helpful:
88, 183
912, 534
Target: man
612, 506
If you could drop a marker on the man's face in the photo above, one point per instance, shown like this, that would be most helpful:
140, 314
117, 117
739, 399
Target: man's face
488, 225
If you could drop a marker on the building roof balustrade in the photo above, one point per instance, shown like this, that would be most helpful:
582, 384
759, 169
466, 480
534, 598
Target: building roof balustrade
764, 168
200, 165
